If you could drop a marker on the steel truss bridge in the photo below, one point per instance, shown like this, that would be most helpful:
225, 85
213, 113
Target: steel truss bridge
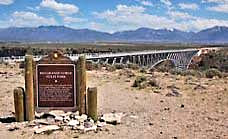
180, 58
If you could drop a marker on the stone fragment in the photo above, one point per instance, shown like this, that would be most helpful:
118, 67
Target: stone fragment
112, 118
45, 115
31, 124
127, 80
93, 128
88, 124
13, 127
51, 120
7, 119
56, 112
82, 118
173, 86
77, 117
39, 115
101, 124
66, 119
173, 93
76, 113
46, 128
157, 91
200, 87
58, 118
134, 116
73, 123
66, 114
81, 127
41, 121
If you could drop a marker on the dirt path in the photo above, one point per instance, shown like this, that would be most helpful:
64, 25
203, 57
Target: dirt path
200, 113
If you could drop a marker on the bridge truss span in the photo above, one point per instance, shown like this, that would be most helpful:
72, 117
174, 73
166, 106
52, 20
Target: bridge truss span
180, 58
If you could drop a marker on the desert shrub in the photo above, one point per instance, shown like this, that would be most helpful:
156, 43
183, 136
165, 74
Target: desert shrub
119, 66
164, 66
210, 73
138, 81
96, 66
152, 69
143, 70
217, 60
110, 68
129, 73
93, 66
133, 66
162, 69
176, 72
192, 73
195, 73
153, 83
89, 65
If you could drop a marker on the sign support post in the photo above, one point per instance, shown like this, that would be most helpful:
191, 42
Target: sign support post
81, 84
92, 103
19, 104
29, 91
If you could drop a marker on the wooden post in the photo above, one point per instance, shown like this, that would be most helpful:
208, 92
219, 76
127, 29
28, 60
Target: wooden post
29, 94
92, 103
81, 84
19, 104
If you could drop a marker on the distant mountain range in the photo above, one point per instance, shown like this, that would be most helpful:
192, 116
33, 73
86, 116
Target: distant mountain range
217, 34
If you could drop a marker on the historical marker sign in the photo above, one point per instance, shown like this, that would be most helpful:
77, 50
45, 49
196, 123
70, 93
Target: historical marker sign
55, 83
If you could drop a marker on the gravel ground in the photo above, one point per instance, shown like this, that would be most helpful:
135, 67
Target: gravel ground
200, 112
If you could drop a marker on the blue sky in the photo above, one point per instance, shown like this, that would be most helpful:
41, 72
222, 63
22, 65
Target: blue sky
115, 15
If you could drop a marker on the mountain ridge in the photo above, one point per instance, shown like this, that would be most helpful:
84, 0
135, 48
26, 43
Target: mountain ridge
216, 34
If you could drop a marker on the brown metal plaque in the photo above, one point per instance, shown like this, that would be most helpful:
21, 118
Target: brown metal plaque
56, 85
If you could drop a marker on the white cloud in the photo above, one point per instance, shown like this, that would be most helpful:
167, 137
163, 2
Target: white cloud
214, 1
192, 6
104, 27
132, 17
166, 2
29, 19
202, 23
146, 3
220, 8
37, 8
180, 15
135, 16
61, 8
69, 20
6, 2
222, 5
